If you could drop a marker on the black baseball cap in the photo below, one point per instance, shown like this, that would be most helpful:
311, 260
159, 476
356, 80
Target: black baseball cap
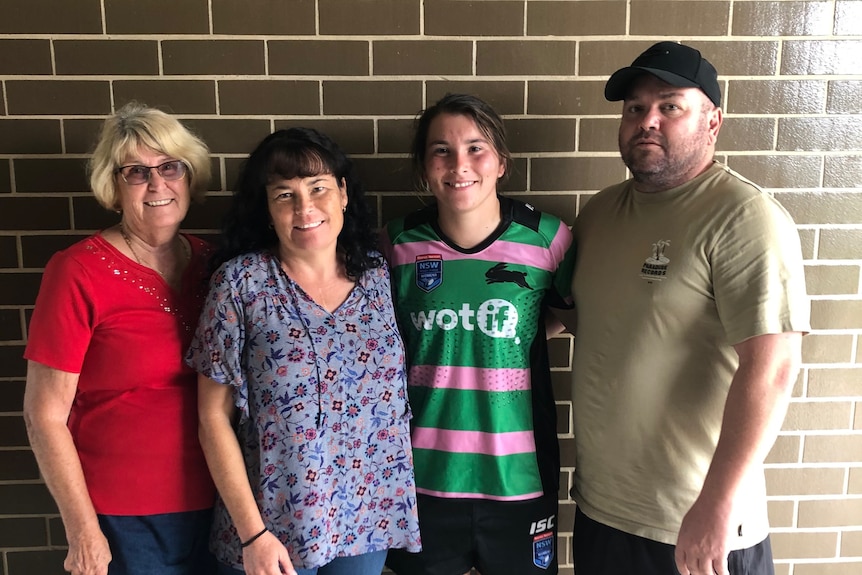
676, 64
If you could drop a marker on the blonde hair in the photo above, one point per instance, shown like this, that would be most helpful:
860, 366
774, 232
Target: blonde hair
136, 126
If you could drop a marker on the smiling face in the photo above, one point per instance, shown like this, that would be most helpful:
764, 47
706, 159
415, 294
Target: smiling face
462, 167
156, 204
667, 134
307, 213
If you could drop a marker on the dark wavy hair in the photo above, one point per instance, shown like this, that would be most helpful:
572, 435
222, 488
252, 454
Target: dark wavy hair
288, 154
486, 119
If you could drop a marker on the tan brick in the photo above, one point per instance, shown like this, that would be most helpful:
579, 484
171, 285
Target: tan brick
576, 18
780, 513
851, 544
68, 97
817, 481
51, 17
843, 568
826, 348
824, 133
841, 244
30, 136
829, 513
843, 172
803, 545
569, 174
823, 208
804, 57
836, 314
843, 97
746, 134
216, 57
806, 239
775, 96
380, 17
837, 382
143, 17
821, 415
855, 484
757, 57
784, 450
459, 18
318, 57
668, 18
428, 57
832, 448
598, 135
352, 136
269, 17
517, 181
265, 97
782, 19
832, 280
848, 14
506, 97
371, 98
527, 58
602, 57
557, 97
107, 57
772, 171
23, 56
540, 135
782, 569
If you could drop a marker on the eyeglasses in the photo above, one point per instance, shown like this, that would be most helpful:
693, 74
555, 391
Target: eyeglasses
136, 174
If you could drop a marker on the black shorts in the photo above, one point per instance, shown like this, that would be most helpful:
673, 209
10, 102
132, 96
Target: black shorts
603, 550
495, 537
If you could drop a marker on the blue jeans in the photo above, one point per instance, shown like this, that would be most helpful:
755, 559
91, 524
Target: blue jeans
366, 564
164, 544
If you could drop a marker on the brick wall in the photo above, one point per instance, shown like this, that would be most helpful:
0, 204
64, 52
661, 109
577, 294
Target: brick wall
234, 70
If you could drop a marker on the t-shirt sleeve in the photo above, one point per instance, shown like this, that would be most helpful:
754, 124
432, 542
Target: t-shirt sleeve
563, 248
758, 275
64, 317
217, 347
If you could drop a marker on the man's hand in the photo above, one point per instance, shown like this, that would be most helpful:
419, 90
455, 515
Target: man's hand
704, 539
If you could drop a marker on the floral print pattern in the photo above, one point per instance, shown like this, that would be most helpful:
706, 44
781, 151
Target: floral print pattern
324, 418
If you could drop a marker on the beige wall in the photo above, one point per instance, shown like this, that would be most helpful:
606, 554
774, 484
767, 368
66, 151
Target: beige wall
234, 70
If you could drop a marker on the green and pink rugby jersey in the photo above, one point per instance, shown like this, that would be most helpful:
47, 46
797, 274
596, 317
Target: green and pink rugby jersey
479, 383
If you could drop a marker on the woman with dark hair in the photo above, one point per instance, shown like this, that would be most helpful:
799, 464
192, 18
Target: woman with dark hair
302, 385
473, 277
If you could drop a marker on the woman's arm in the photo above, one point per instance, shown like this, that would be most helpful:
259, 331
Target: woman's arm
216, 410
48, 400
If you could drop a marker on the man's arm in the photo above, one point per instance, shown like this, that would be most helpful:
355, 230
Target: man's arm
753, 414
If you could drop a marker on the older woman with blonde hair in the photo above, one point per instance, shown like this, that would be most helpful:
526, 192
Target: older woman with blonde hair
110, 406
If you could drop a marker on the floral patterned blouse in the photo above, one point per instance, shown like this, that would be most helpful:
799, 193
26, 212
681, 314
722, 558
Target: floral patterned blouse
323, 412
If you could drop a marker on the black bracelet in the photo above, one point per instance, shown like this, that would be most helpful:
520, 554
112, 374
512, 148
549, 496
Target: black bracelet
253, 538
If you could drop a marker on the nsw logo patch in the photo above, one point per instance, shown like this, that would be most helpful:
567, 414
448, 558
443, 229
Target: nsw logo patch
543, 549
429, 272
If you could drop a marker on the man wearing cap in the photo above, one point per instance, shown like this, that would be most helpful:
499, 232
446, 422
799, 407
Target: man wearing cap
691, 307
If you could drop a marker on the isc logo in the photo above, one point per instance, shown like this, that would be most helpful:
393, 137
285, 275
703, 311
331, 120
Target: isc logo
543, 525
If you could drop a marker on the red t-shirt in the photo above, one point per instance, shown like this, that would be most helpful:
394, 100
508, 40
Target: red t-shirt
134, 416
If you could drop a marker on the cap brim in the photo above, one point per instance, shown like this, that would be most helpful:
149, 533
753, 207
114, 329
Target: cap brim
618, 84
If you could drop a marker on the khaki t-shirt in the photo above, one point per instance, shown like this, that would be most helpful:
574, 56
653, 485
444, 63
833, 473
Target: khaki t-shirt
665, 283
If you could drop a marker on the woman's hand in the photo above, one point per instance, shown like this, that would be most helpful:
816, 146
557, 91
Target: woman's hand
89, 554
267, 556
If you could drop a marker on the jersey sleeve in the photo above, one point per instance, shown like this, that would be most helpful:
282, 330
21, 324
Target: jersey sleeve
64, 317
758, 275
563, 248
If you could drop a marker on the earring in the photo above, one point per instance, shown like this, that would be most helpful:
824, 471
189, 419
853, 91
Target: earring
343, 209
